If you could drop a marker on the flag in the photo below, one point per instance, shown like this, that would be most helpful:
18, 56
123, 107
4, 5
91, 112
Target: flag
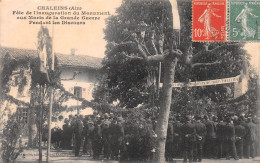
175, 15
43, 60
242, 86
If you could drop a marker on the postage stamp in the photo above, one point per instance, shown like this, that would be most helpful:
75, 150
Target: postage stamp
209, 20
244, 16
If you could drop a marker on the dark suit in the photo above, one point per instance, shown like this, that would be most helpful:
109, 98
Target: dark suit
177, 140
245, 143
188, 134
117, 134
169, 141
229, 141
66, 136
251, 140
78, 135
220, 138
210, 139
89, 128
200, 137
97, 141
240, 133
106, 140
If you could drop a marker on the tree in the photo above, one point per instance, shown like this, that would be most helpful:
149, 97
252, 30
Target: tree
13, 75
142, 32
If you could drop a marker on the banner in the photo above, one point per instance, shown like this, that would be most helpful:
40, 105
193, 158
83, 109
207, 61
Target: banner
43, 59
207, 82
175, 15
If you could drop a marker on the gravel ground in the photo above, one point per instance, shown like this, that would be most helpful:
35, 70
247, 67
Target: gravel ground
66, 156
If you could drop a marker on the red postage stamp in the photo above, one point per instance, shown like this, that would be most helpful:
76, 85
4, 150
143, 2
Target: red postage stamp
209, 20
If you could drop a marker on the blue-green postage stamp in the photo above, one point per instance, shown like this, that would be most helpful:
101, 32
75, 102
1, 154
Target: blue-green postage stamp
244, 20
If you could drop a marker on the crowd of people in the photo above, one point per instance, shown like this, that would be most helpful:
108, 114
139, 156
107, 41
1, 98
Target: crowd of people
119, 137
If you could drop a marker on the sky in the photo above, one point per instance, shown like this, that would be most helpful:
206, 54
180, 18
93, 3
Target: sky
87, 39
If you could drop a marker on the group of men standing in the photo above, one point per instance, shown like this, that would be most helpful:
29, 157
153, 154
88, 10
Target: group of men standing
199, 137
97, 134
188, 137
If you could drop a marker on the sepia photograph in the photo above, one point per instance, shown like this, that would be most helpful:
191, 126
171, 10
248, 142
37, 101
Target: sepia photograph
118, 81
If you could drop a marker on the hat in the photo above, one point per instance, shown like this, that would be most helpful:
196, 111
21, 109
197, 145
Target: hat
228, 119
187, 118
106, 123
206, 117
197, 117
99, 122
120, 119
106, 115
220, 118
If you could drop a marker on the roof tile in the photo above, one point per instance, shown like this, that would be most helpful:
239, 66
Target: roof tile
63, 60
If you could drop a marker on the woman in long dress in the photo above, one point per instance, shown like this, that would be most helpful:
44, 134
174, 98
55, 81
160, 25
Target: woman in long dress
206, 17
243, 18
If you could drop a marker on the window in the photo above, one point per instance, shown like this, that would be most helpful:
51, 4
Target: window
23, 114
78, 92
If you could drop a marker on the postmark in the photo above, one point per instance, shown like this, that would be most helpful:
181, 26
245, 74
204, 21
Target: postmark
209, 20
244, 17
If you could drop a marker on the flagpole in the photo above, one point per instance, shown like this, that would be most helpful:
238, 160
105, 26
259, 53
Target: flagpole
51, 102
160, 63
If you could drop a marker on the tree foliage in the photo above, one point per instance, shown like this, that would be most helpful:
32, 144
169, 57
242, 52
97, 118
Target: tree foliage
11, 145
131, 78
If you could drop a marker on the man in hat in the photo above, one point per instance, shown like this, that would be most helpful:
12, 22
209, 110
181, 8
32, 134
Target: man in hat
240, 133
78, 135
200, 137
105, 121
251, 139
229, 140
73, 126
117, 135
210, 138
188, 134
169, 141
84, 134
106, 138
220, 137
67, 135
88, 137
97, 140
177, 140
243, 122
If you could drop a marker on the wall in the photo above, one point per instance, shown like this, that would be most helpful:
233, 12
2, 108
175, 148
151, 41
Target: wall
87, 79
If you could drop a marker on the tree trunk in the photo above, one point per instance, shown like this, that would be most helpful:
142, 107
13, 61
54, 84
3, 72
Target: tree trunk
40, 124
31, 129
31, 121
166, 99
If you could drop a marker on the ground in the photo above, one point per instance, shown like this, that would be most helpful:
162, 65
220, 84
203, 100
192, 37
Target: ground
66, 156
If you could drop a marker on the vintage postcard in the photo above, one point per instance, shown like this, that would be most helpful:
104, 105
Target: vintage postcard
129, 81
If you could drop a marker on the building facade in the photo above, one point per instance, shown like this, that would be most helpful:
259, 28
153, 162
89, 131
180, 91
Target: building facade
79, 75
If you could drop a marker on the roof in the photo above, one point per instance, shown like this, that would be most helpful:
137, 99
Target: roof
79, 61
64, 60
19, 54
